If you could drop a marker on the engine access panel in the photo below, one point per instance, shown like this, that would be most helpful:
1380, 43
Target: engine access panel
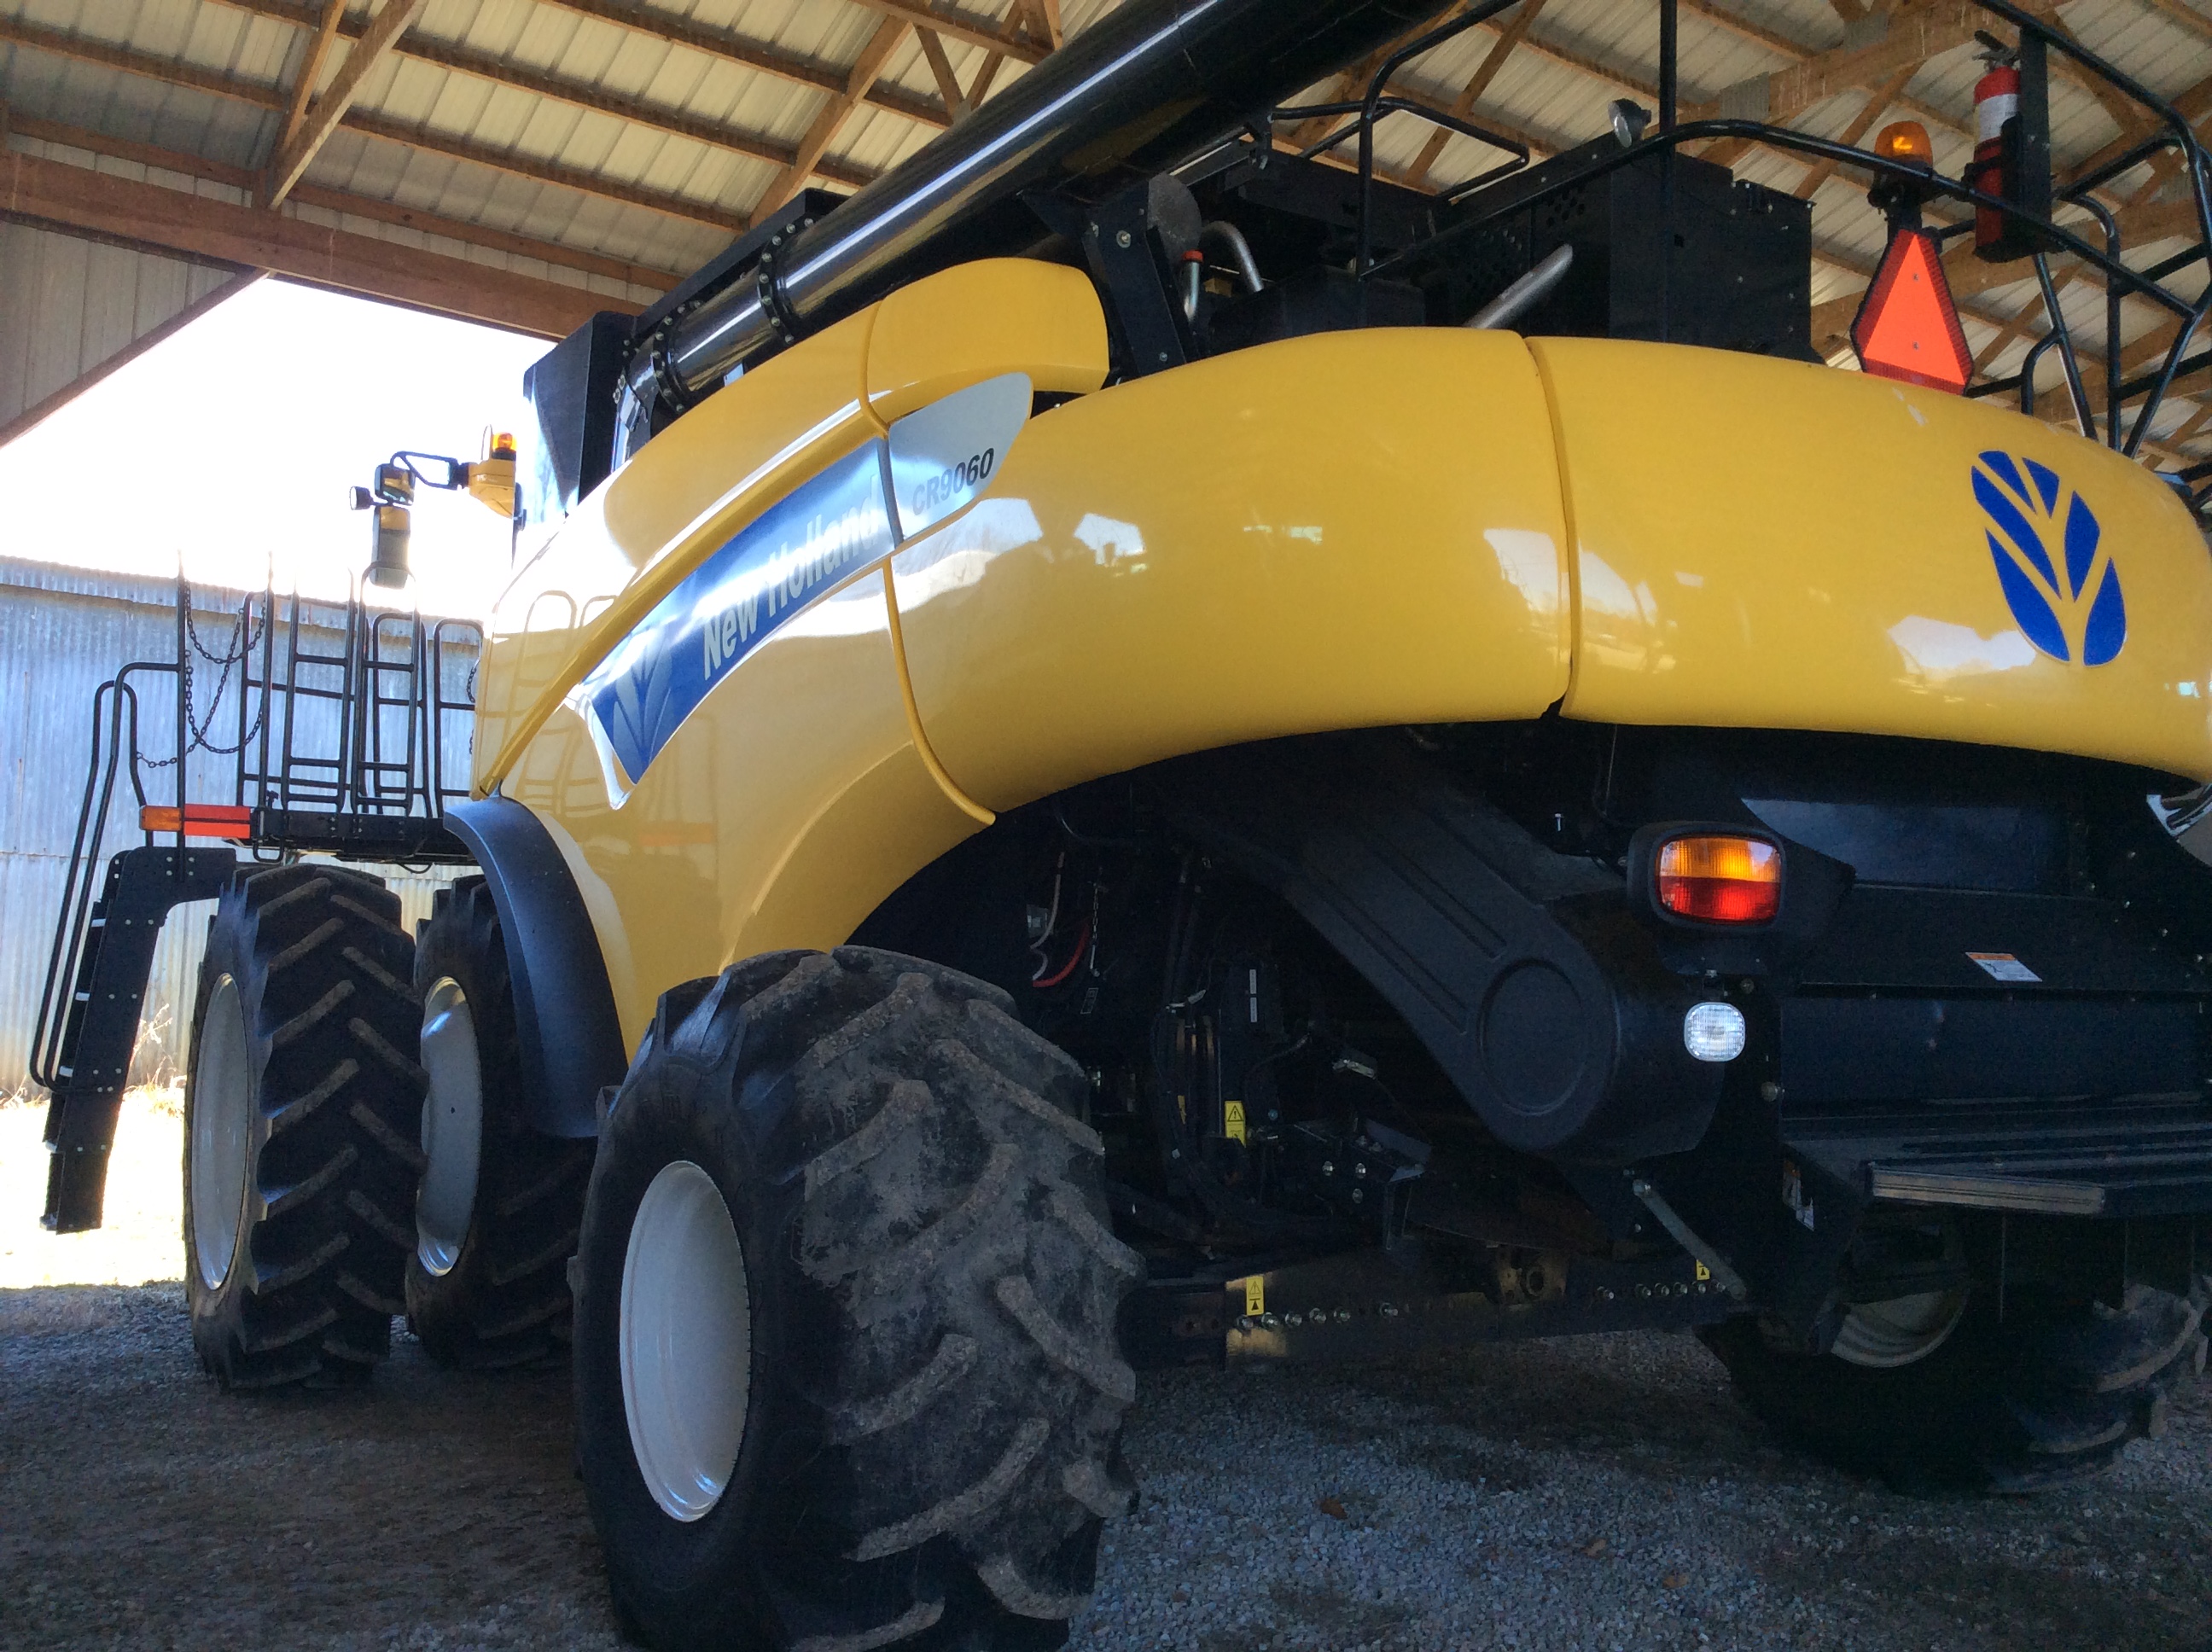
1697, 258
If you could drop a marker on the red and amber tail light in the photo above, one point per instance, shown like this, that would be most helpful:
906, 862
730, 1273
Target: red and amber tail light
1719, 878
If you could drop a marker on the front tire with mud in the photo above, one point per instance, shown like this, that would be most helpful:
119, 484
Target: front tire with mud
845, 1367
299, 1128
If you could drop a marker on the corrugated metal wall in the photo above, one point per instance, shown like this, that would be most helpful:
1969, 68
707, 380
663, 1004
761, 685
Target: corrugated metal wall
67, 305
63, 633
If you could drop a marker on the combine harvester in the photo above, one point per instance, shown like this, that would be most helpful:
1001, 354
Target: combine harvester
1132, 748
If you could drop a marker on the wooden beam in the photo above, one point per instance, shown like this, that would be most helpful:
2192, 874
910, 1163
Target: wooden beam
324, 114
2188, 16
1812, 77
940, 67
262, 97
2119, 109
2189, 426
582, 95
561, 257
1463, 105
1880, 100
1912, 39
432, 142
1019, 21
77, 198
40, 412
968, 29
1744, 29
243, 180
890, 34
310, 69
768, 60
2193, 105
978, 87
489, 66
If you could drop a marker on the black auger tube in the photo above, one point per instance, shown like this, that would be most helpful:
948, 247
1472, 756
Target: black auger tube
1152, 84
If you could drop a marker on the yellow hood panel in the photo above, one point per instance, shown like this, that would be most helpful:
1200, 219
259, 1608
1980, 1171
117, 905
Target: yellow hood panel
1763, 543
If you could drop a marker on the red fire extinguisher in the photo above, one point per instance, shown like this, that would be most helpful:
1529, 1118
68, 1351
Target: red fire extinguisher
1996, 101
2011, 148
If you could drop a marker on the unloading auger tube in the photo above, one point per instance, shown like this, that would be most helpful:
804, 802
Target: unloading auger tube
1155, 82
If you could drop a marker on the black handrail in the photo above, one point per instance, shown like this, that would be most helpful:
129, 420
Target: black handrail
2170, 131
385, 753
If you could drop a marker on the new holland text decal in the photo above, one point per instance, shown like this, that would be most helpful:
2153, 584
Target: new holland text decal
935, 463
822, 530
2056, 572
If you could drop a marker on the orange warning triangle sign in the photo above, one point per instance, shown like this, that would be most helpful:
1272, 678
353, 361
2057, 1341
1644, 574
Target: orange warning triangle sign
1907, 326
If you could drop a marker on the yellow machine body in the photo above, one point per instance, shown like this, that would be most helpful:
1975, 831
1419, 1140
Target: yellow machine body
1350, 530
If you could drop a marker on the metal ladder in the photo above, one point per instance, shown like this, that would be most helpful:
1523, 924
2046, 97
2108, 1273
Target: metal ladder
340, 750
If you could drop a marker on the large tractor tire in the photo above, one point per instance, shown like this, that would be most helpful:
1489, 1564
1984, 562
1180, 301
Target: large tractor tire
300, 1129
1928, 1394
846, 1375
500, 1204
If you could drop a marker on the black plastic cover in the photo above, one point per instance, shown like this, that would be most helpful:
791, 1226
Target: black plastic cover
1738, 275
570, 446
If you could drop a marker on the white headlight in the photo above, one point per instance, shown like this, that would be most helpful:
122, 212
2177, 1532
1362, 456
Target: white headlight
1713, 1032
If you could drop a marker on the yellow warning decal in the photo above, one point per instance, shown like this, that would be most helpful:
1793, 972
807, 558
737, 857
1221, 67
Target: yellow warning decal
1703, 1273
1232, 1120
1255, 1293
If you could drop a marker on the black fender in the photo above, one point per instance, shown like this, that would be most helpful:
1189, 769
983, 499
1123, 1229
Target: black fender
1523, 971
564, 1008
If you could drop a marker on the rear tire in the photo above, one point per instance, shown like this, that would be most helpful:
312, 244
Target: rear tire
2034, 1402
498, 1215
300, 1121
923, 1390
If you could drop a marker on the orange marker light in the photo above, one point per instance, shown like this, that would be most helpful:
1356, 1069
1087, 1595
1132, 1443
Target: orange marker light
197, 819
1908, 328
1721, 880
1906, 140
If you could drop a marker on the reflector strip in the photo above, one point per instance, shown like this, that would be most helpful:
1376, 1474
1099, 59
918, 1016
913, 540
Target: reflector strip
201, 820
1907, 327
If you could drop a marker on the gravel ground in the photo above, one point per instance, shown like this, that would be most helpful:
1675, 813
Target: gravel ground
1596, 1493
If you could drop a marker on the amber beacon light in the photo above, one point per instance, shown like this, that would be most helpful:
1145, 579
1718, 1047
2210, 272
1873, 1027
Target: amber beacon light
1720, 880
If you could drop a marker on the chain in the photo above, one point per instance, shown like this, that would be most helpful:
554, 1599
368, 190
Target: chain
243, 637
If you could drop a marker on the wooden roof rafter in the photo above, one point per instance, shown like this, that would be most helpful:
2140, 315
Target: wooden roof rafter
583, 94
305, 132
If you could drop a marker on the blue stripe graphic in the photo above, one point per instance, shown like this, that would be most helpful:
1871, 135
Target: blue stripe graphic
826, 529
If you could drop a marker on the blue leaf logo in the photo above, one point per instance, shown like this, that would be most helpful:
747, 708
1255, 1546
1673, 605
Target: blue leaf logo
2056, 576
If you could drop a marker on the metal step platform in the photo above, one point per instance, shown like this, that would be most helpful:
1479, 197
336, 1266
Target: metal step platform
2133, 1159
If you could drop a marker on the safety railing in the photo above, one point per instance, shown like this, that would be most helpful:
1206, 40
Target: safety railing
2096, 239
350, 736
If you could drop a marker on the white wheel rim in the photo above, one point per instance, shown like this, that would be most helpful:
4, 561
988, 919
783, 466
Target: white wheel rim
1882, 1335
686, 1341
222, 1108
452, 1127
